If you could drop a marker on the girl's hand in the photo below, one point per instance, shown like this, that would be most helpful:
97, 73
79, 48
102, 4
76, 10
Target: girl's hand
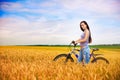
74, 42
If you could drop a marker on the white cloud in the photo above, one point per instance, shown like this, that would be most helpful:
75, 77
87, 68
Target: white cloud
18, 30
10, 6
57, 22
105, 34
98, 6
22, 31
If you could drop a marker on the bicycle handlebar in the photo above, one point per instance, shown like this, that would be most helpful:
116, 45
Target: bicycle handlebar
73, 42
74, 45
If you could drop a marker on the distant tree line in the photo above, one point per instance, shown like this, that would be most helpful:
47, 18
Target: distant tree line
69, 45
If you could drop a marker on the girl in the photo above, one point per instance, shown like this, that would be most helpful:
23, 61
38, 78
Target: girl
84, 40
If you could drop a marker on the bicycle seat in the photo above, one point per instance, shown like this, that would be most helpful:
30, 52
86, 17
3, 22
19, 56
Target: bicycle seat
95, 49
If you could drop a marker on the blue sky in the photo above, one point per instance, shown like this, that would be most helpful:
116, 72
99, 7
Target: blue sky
26, 22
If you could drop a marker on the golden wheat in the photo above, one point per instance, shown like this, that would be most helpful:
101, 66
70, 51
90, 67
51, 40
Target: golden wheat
35, 63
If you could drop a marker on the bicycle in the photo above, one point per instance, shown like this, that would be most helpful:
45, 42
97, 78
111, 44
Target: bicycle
95, 57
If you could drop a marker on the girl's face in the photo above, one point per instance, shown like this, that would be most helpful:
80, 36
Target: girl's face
83, 26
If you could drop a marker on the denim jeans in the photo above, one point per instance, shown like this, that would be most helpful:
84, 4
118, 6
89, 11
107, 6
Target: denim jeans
84, 52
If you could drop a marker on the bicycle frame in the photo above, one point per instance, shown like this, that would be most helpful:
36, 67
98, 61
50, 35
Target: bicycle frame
96, 58
73, 51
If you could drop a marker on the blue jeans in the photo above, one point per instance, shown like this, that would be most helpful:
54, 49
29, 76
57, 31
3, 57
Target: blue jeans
86, 53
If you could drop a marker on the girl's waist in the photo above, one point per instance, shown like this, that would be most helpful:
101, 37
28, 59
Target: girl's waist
82, 47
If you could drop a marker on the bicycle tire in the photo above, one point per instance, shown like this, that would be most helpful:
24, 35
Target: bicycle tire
67, 57
100, 58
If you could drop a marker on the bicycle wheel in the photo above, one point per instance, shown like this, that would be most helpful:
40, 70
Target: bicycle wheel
63, 58
100, 59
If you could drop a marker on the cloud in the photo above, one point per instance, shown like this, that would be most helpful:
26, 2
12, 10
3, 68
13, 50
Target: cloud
97, 6
105, 35
57, 22
10, 6
39, 31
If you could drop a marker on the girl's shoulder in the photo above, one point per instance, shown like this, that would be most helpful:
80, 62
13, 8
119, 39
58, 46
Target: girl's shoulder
86, 31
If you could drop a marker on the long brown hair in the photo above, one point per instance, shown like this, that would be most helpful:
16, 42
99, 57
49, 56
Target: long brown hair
90, 38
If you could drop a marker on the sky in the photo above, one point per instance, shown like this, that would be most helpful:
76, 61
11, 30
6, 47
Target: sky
53, 22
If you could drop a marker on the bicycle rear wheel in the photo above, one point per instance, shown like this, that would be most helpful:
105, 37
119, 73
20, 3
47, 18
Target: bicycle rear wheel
63, 58
98, 59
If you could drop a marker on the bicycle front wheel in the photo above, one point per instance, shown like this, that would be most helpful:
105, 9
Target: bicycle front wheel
100, 59
63, 58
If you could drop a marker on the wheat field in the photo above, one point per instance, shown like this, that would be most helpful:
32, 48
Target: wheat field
35, 63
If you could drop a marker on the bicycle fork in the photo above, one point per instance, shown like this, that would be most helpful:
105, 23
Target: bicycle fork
68, 56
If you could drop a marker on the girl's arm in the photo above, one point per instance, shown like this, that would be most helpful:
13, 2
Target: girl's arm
85, 38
